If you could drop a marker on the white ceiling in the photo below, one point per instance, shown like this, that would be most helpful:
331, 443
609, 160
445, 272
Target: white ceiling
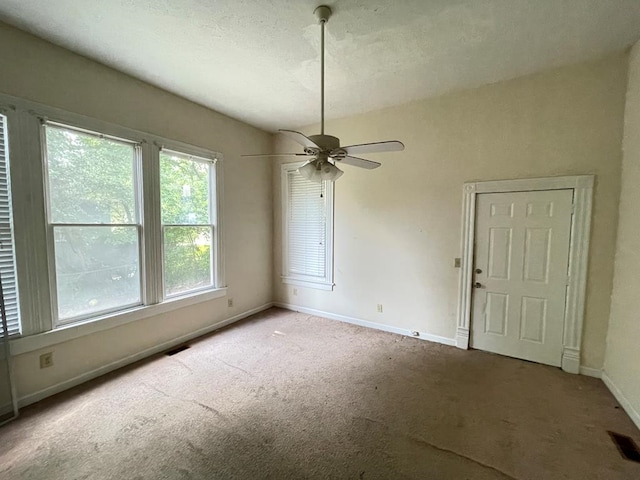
258, 60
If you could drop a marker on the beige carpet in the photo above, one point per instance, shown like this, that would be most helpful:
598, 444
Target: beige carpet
285, 395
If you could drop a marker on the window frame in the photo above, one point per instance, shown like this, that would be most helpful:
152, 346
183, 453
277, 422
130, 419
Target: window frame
212, 225
31, 225
51, 225
325, 283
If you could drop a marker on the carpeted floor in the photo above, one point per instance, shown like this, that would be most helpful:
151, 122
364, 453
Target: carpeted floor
286, 395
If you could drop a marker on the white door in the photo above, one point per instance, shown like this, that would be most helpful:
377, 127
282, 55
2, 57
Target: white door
520, 273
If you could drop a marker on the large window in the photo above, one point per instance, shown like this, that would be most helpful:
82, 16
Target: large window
112, 225
94, 221
187, 222
7, 257
307, 230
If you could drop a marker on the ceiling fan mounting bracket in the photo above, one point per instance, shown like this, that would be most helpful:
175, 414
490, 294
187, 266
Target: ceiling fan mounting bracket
322, 13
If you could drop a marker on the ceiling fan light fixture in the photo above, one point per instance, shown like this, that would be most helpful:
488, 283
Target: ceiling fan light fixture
307, 170
320, 171
330, 172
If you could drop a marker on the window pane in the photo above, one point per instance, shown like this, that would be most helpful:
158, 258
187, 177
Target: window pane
187, 259
97, 269
91, 179
184, 187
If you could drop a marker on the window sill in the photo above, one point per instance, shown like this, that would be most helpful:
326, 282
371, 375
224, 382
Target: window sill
65, 333
309, 284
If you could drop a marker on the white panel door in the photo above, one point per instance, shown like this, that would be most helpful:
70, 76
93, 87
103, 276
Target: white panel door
520, 273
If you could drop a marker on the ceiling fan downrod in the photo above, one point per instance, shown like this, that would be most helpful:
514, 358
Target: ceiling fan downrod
325, 151
323, 13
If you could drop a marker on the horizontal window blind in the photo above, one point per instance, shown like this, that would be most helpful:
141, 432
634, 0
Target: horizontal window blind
307, 229
7, 257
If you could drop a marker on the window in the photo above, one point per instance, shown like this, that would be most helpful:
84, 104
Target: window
308, 230
115, 225
94, 222
186, 184
7, 254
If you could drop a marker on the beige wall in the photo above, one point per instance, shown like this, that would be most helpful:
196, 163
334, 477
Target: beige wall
38, 71
622, 364
398, 228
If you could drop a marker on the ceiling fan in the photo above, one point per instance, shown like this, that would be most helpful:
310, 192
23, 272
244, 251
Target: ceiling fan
325, 149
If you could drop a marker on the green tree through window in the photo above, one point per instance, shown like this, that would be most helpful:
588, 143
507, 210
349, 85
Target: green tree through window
94, 186
94, 216
185, 185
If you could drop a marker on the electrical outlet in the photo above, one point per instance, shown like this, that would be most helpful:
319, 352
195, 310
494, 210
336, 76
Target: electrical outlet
46, 360
457, 262
295, 291
230, 302
379, 308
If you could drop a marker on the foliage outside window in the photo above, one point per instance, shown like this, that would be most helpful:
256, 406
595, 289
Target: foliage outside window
113, 223
94, 219
187, 222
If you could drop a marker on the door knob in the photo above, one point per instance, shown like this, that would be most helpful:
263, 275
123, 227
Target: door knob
478, 270
477, 285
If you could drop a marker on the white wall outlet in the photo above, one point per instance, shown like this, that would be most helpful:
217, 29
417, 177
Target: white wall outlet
295, 291
230, 302
379, 308
46, 360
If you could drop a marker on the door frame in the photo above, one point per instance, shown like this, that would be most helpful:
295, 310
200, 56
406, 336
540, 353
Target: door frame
582, 186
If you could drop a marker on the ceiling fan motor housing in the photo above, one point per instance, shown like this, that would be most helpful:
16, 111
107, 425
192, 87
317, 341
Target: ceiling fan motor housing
326, 142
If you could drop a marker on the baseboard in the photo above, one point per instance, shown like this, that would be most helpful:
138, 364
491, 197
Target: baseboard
90, 375
6, 408
622, 400
365, 323
570, 361
591, 372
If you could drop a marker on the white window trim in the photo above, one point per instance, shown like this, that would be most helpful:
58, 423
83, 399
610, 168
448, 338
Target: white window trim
64, 333
304, 281
30, 225
139, 225
213, 224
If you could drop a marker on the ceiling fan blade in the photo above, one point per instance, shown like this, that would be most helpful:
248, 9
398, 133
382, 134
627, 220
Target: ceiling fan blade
358, 162
276, 155
390, 146
299, 138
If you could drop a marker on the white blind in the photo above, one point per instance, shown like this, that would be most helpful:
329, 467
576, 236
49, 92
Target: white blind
7, 258
307, 226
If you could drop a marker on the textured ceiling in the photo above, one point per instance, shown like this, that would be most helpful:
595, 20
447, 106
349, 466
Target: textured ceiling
258, 60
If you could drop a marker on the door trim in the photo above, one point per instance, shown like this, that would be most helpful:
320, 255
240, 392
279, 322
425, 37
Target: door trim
582, 186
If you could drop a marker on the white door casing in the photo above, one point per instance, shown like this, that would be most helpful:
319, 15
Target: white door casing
582, 186
520, 268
